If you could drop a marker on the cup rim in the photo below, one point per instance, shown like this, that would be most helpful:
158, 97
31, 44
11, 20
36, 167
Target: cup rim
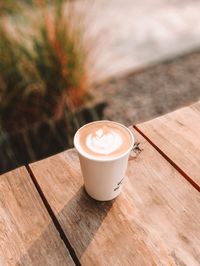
92, 158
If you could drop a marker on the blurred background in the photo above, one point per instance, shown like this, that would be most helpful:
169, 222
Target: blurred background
66, 63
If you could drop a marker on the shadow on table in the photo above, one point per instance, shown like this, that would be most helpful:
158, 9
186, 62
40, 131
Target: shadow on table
47, 249
80, 219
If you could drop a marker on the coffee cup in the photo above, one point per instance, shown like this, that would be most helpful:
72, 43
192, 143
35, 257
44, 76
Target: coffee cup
103, 148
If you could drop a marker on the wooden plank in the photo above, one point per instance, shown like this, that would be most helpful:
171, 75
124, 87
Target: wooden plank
196, 106
27, 234
153, 222
177, 136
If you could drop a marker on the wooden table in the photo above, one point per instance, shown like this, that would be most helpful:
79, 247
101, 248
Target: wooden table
46, 218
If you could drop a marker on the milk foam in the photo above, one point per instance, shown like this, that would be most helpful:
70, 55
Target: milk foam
102, 142
103, 139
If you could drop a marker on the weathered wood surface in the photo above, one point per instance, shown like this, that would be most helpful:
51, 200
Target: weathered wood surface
27, 234
177, 135
154, 221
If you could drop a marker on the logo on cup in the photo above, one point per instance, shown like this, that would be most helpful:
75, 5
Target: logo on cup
119, 184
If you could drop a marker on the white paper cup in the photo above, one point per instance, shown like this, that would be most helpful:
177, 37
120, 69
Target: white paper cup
103, 177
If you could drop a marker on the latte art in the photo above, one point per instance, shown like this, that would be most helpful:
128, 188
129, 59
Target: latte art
103, 143
103, 139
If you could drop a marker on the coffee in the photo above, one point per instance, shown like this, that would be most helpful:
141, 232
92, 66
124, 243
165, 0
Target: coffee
103, 140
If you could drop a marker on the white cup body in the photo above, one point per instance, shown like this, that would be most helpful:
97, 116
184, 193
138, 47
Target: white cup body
103, 179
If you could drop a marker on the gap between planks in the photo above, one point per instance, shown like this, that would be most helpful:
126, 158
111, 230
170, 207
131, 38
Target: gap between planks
54, 219
186, 176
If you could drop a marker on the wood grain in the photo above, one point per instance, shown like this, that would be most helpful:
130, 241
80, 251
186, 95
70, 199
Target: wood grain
177, 136
154, 221
27, 234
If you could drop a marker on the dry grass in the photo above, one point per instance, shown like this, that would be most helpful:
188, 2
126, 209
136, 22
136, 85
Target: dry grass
42, 65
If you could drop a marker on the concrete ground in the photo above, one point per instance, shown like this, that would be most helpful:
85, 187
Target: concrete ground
135, 37
157, 90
